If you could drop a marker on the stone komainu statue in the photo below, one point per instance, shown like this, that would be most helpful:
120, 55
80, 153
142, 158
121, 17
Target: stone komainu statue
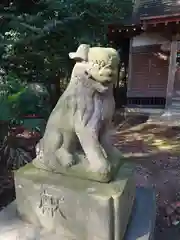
76, 136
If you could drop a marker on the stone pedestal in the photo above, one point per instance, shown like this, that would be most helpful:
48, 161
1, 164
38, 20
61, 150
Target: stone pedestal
140, 227
73, 208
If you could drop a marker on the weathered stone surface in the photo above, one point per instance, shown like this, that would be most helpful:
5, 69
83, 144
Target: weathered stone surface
141, 226
75, 208
76, 140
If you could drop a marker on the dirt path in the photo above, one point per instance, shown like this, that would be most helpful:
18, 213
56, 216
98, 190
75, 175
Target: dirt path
156, 152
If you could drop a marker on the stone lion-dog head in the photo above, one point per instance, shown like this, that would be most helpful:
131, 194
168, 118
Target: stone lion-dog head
77, 131
99, 63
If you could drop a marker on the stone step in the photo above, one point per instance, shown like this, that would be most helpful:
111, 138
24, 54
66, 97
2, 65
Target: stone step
177, 93
175, 109
175, 105
171, 114
177, 98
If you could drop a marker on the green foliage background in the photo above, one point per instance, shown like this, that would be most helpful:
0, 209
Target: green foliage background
37, 35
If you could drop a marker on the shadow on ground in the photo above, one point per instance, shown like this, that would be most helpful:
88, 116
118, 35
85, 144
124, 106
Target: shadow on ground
155, 149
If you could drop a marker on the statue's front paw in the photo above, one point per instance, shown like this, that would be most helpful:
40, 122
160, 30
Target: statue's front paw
104, 170
64, 158
46, 161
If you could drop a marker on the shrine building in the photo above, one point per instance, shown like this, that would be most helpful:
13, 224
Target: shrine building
153, 65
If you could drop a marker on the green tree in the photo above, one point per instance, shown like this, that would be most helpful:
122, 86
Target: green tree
36, 36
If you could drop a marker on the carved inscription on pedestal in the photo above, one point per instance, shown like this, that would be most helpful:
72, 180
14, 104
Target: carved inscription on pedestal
50, 204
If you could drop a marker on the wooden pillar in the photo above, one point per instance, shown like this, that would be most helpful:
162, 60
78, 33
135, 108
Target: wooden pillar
171, 73
130, 68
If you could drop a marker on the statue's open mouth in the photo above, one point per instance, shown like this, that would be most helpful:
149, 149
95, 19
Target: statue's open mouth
106, 83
